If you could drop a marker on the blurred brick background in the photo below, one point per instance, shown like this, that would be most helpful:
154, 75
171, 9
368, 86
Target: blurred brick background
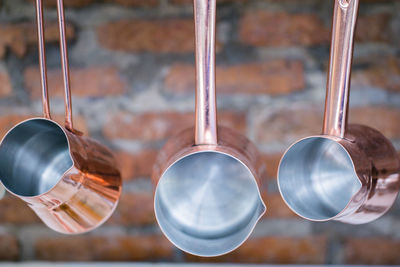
132, 78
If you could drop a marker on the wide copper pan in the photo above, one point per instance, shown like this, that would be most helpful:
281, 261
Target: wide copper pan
70, 181
349, 173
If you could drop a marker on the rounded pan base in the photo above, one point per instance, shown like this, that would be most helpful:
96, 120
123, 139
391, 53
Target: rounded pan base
35, 155
207, 203
317, 179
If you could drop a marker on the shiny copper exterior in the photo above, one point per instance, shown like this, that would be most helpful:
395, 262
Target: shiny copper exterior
42, 59
85, 195
195, 236
338, 82
229, 142
206, 108
377, 166
374, 160
65, 65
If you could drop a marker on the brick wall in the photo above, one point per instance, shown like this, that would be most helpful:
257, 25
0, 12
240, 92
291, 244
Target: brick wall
133, 81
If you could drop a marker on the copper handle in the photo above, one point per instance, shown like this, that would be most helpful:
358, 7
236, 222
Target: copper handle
42, 59
338, 84
65, 65
64, 62
206, 110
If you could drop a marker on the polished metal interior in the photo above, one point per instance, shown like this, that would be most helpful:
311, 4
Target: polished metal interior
34, 156
207, 203
317, 179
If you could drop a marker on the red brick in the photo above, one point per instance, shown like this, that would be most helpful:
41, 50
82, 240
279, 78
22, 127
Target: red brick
157, 126
90, 82
135, 3
276, 207
5, 84
377, 1
190, 2
272, 163
18, 37
134, 210
15, 211
83, 3
9, 121
9, 248
265, 28
149, 35
372, 251
67, 3
373, 28
136, 165
275, 250
274, 77
383, 74
288, 125
112, 248
384, 119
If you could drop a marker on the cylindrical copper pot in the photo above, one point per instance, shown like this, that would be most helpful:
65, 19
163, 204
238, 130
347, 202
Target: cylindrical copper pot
207, 200
70, 181
349, 173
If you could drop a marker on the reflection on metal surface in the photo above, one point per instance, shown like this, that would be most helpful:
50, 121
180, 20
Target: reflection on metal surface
70, 181
207, 199
350, 173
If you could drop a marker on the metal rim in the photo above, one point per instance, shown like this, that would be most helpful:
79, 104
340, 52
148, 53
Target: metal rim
331, 138
69, 153
254, 180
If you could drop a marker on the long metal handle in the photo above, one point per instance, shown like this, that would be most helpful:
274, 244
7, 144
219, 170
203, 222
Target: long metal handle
65, 65
206, 108
42, 58
64, 62
338, 84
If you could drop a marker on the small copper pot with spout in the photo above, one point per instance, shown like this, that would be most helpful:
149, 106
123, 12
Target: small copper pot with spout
207, 200
70, 181
350, 173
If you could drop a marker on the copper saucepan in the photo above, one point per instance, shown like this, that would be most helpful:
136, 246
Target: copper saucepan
207, 199
349, 173
70, 181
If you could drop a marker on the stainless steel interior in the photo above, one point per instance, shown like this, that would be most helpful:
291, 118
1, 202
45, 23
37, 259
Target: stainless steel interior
34, 156
317, 179
207, 203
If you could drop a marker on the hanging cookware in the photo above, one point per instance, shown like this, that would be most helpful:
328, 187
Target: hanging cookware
350, 173
207, 199
70, 181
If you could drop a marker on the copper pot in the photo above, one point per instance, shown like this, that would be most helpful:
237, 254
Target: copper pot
207, 199
350, 173
70, 181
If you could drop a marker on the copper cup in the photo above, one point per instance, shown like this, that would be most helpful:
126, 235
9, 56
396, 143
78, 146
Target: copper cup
207, 199
349, 173
70, 181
